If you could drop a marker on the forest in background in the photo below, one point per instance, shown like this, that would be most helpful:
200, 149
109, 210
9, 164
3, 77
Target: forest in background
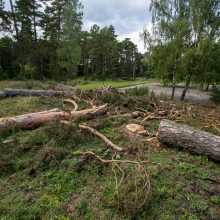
44, 39
184, 44
81, 149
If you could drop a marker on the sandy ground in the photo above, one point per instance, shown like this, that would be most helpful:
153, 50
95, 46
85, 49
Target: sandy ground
157, 88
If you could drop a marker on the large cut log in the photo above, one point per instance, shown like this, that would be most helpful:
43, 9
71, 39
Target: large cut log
190, 139
32, 120
30, 92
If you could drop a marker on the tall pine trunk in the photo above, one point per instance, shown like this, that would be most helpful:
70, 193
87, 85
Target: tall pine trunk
18, 40
37, 47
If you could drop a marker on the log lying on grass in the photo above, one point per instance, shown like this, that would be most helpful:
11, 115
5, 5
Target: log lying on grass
30, 92
190, 139
32, 120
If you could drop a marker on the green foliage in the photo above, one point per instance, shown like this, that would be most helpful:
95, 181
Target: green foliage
216, 200
138, 91
61, 50
184, 42
215, 95
70, 50
43, 174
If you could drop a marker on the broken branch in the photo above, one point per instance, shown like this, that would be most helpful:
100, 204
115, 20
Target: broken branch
32, 120
73, 103
102, 137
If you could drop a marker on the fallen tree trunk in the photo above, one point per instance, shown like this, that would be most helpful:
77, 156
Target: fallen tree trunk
190, 139
32, 120
30, 92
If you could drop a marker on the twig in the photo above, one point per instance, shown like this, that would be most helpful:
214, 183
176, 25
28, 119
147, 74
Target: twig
209, 126
152, 116
143, 190
90, 153
69, 101
102, 137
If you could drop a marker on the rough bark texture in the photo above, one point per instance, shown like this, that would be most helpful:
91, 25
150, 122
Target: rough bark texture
32, 120
30, 92
189, 139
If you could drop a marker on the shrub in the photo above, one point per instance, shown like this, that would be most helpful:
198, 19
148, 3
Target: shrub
215, 95
138, 91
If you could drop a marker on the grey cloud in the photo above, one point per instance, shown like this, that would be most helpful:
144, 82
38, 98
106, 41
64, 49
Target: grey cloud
125, 15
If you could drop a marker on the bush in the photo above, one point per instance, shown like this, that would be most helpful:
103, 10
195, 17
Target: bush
215, 95
138, 91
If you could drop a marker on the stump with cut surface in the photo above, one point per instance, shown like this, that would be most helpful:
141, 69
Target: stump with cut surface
190, 139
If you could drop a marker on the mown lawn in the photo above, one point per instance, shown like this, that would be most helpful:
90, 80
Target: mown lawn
79, 83
43, 176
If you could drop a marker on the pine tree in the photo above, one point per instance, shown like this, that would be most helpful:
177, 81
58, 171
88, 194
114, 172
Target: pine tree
52, 28
69, 52
4, 17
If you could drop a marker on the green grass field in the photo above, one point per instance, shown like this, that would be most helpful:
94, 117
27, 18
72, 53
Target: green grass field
43, 176
88, 85
79, 83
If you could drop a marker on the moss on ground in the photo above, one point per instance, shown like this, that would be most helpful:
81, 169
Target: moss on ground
42, 175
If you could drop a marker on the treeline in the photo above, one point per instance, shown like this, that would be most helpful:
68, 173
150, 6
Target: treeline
184, 43
44, 39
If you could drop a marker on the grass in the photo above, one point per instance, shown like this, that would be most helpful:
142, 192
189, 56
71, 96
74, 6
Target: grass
42, 175
89, 85
79, 83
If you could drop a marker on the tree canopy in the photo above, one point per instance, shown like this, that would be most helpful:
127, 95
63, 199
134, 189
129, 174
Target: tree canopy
184, 41
44, 39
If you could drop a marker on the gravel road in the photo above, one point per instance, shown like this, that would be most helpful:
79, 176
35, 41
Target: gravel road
157, 88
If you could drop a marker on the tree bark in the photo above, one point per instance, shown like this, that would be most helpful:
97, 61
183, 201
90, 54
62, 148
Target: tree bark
18, 39
174, 83
190, 139
207, 88
32, 120
186, 88
29, 92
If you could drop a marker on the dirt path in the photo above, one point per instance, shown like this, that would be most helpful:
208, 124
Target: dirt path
157, 88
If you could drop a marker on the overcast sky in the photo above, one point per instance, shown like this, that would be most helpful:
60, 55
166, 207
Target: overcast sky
127, 16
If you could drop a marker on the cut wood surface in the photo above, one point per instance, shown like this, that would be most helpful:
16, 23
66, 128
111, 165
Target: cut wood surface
33, 120
190, 139
135, 128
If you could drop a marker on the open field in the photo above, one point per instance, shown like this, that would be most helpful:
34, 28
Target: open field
87, 85
79, 83
44, 176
